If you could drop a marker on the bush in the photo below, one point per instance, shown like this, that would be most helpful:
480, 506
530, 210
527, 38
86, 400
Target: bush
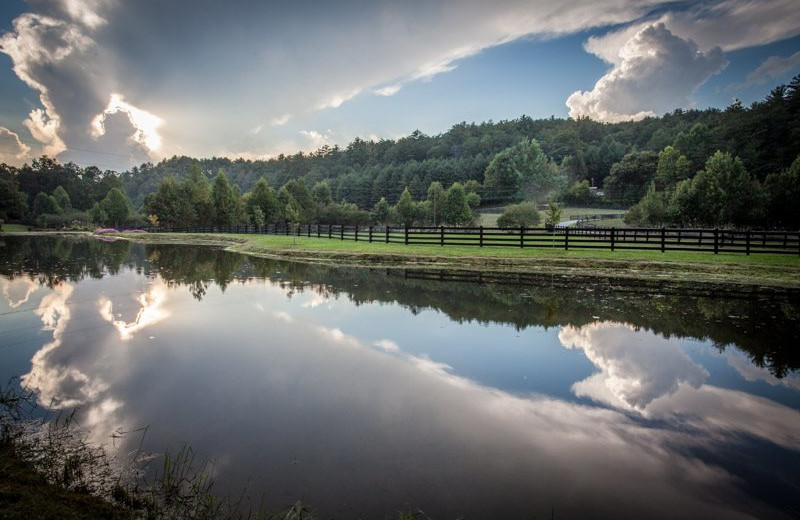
518, 215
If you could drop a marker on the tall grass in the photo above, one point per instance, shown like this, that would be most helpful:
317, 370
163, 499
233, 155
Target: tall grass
179, 488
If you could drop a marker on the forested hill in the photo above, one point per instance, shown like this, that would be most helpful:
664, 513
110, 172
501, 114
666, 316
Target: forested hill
765, 136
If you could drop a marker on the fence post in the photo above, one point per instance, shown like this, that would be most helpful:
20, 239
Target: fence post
356, 233
308, 231
566, 239
406, 230
341, 232
370, 234
747, 242
480, 237
522, 236
330, 232
441, 235
716, 241
613, 233
386, 229
663, 238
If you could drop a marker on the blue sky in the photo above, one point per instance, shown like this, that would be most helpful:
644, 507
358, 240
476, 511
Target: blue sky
116, 83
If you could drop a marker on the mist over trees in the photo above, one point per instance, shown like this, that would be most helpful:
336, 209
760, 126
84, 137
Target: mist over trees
731, 167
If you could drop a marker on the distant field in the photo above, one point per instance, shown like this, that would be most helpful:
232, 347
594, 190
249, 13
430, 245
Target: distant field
15, 228
489, 219
576, 210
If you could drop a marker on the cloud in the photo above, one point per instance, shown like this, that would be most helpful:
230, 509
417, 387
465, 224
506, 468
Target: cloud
38, 47
387, 345
437, 425
634, 370
655, 72
151, 311
645, 372
145, 124
728, 24
316, 140
280, 120
59, 385
12, 150
18, 290
389, 90
266, 62
750, 372
772, 68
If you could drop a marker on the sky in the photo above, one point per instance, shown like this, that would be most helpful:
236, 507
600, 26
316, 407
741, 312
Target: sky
115, 83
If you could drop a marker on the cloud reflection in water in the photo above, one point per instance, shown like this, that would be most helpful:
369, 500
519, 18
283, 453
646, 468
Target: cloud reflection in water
309, 410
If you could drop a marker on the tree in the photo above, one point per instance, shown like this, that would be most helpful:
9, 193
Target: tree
783, 193
198, 190
406, 208
321, 193
117, 207
455, 210
519, 215
13, 202
62, 198
552, 215
579, 193
263, 197
257, 217
225, 200
672, 168
303, 200
652, 210
723, 193
520, 168
381, 212
45, 204
629, 178
436, 196
171, 204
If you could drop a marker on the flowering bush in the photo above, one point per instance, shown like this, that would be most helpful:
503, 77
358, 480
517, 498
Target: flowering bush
134, 231
106, 230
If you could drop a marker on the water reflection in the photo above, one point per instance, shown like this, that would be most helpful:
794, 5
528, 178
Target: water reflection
339, 386
151, 311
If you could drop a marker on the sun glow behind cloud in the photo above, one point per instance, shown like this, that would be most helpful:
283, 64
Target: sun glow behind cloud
145, 124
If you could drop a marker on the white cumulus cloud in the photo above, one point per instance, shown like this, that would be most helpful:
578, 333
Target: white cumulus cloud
655, 72
635, 368
12, 150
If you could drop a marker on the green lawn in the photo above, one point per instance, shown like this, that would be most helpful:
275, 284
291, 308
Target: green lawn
490, 219
15, 228
576, 210
284, 244
673, 269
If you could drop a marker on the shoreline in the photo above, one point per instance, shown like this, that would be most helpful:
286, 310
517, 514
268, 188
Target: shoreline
711, 276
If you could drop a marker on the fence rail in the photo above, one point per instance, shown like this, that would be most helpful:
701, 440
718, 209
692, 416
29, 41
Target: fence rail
644, 239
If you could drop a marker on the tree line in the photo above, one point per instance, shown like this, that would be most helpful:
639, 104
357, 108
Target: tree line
731, 167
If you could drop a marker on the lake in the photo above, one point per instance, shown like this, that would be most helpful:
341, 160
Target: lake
362, 391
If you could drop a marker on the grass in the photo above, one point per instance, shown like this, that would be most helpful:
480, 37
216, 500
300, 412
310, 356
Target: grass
762, 270
577, 210
607, 223
49, 470
14, 228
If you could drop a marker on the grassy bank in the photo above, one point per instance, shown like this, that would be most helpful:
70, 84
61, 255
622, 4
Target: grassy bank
778, 272
25, 494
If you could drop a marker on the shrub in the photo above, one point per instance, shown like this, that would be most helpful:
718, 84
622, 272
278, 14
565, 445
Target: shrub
517, 215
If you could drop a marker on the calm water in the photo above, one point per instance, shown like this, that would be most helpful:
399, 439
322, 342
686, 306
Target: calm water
361, 391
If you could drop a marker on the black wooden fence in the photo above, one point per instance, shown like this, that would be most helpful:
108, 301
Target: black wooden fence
645, 239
